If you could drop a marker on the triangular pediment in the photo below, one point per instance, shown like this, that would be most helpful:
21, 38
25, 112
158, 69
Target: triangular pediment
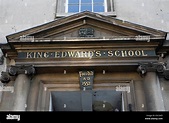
103, 26
84, 33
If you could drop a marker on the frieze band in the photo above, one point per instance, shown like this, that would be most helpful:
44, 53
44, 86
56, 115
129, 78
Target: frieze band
87, 54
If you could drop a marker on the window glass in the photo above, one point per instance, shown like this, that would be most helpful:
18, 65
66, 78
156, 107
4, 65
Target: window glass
73, 1
83, 5
86, 1
73, 8
102, 1
86, 7
98, 8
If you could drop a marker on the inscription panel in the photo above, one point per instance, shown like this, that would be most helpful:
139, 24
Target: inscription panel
86, 79
86, 54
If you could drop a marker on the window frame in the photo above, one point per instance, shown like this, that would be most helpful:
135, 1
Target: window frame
80, 3
62, 9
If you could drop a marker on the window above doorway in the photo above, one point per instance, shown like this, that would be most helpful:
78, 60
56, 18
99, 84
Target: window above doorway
86, 5
68, 7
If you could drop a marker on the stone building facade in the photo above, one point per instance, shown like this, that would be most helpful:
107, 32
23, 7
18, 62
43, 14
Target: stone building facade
87, 58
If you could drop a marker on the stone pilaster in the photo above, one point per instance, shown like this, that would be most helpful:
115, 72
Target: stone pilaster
21, 89
21, 85
153, 95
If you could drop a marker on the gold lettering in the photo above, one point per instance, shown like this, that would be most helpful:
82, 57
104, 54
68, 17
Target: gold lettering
130, 53
90, 54
64, 54
78, 54
110, 53
117, 53
81, 54
39, 54
98, 54
71, 53
46, 54
57, 55
29, 55
84, 78
80, 73
34, 54
124, 53
88, 78
86, 83
85, 54
137, 53
89, 73
143, 54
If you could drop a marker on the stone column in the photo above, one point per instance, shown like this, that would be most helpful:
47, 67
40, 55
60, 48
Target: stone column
33, 94
153, 93
21, 90
21, 85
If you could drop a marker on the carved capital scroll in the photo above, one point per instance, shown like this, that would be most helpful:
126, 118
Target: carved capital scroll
15, 70
5, 77
159, 67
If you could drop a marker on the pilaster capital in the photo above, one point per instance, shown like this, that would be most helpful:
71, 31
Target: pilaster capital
15, 70
158, 67
5, 77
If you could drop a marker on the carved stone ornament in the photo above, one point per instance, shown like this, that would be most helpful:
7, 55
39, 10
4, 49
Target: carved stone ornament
159, 67
15, 70
5, 78
86, 32
166, 74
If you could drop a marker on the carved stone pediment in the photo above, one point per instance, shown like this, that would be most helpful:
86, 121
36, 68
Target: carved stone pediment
104, 26
109, 40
